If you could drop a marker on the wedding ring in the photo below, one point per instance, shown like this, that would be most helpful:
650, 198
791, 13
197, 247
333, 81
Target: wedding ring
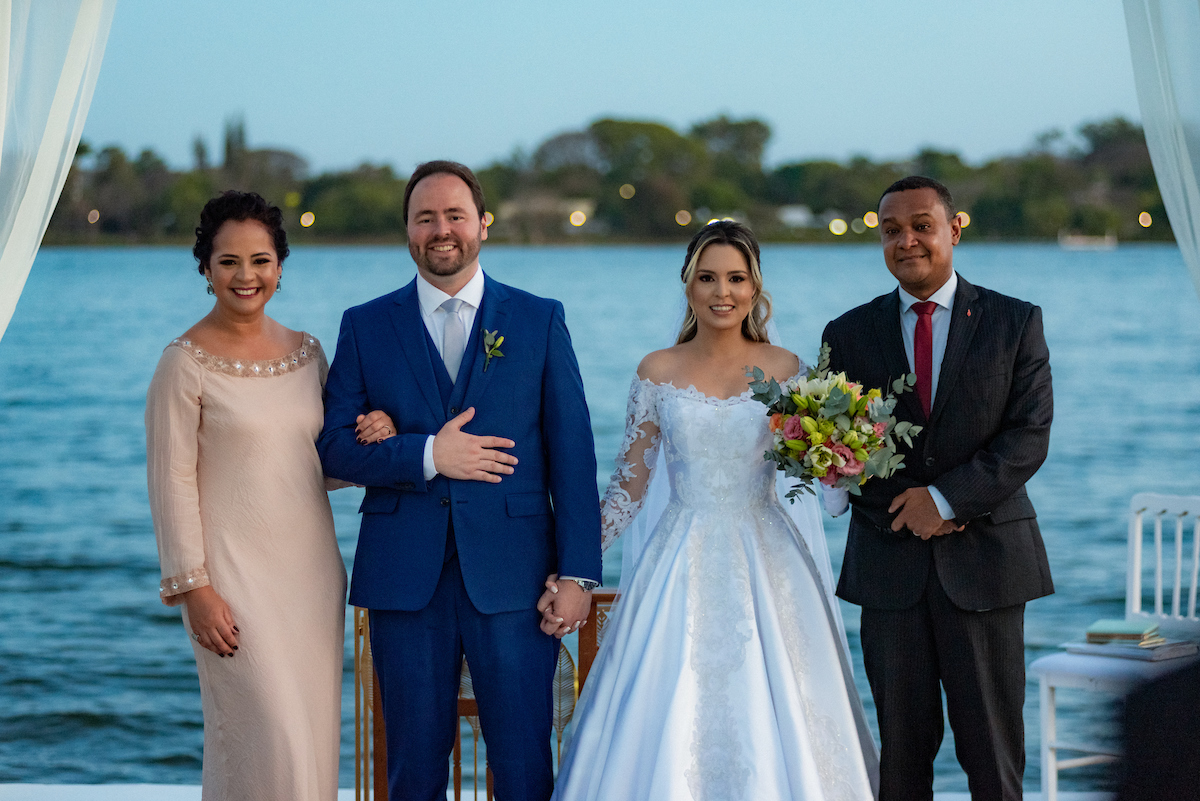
196, 637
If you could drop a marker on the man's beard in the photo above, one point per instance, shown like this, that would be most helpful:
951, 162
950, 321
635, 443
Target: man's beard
468, 252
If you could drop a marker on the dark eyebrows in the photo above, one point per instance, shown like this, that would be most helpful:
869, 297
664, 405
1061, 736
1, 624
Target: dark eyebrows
451, 210
916, 216
252, 255
710, 271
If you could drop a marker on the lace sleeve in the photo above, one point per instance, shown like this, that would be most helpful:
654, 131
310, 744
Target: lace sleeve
635, 462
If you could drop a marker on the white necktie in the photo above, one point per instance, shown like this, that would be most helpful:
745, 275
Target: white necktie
454, 341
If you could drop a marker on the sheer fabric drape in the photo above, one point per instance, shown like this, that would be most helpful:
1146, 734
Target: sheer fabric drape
1164, 40
50, 53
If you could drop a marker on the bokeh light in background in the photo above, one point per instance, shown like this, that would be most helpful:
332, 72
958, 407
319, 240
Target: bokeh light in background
857, 225
577, 218
871, 219
307, 219
627, 191
488, 219
1144, 219
683, 217
94, 216
837, 226
964, 219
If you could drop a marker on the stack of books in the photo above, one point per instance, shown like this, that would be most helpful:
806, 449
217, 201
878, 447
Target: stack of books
1132, 639
1141, 633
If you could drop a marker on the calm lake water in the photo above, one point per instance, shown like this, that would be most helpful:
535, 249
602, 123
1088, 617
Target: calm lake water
97, 681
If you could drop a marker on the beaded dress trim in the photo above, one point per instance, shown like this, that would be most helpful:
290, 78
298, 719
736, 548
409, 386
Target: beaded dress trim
172, 586
309, 350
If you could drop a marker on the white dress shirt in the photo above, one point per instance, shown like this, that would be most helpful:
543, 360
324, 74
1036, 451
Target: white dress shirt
837, 501
430, 299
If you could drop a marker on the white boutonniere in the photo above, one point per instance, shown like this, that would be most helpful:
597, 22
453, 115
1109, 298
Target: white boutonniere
491, 346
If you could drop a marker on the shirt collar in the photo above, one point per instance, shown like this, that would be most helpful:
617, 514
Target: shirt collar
430, 297
944, 297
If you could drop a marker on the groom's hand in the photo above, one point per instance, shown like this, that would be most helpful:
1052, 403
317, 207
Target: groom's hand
467, 457
919, 514
564, 607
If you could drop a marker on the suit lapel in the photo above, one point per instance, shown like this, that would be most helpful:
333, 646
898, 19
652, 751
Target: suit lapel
891, 345
963, 321
493, 316
410, 331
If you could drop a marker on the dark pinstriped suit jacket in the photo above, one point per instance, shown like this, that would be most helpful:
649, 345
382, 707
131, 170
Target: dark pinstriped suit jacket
987, 434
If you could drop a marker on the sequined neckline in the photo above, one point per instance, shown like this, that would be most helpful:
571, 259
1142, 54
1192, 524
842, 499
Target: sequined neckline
691, 392
252, 368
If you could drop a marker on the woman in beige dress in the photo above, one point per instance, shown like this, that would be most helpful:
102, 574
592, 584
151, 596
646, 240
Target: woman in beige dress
245, 533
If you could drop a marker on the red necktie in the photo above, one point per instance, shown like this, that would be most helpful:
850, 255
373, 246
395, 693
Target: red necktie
923, 353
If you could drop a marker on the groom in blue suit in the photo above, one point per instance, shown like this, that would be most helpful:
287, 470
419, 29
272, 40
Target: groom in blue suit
487, 489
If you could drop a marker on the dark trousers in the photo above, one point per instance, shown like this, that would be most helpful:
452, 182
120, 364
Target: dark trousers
912, 654
418, 656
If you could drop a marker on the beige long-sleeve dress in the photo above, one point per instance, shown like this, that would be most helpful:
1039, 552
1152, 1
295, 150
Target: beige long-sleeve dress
239, 502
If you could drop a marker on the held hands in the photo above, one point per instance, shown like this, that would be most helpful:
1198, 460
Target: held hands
920, 514
564, 607
211, 621
374, 427
467, 457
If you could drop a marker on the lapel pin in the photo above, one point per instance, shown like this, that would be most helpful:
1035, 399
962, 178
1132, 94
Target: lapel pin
968, 312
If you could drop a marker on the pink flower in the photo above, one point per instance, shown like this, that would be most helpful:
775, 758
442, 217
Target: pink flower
830, 478
880, 429
792, 429
842, 451
853, 467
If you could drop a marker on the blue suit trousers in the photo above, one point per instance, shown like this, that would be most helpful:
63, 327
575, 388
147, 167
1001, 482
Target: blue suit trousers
418, 657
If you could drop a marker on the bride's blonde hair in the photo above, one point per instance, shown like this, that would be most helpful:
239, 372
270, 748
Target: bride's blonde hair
727, 232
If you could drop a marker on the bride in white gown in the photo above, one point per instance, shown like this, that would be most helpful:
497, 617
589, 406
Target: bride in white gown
723, 672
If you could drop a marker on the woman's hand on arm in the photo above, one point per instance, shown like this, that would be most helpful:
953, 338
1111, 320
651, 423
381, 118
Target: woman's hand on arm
375, 427
212, 621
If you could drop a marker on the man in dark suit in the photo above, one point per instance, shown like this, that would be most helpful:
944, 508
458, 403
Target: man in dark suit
943, 556
461, 529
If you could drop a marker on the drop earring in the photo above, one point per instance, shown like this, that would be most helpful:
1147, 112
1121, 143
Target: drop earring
279, 284
211, 291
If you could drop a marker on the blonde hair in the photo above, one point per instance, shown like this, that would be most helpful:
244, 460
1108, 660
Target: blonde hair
727, 232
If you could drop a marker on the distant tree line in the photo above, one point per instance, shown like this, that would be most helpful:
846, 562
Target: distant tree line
625, 180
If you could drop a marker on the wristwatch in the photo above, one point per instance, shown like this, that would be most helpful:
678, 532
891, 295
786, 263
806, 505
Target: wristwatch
587, 584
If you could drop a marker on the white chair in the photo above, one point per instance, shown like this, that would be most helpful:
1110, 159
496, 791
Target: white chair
1116, 675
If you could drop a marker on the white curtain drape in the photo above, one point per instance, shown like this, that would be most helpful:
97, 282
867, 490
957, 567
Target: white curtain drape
50, 53
1164, 40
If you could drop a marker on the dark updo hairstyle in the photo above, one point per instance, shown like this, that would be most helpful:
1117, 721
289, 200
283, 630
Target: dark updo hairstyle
240, 206
734, 234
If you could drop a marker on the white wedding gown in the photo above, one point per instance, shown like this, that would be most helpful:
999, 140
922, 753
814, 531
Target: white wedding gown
722, 673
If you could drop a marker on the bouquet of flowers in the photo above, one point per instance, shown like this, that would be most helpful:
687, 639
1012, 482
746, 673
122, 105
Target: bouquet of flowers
827, 429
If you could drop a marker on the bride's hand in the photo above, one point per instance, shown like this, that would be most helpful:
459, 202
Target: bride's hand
375, 426
551, 623
211, 620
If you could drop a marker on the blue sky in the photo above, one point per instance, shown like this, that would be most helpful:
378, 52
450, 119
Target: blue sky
400, 82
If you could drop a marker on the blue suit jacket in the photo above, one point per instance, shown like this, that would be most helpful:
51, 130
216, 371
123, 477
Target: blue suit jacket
545, 518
